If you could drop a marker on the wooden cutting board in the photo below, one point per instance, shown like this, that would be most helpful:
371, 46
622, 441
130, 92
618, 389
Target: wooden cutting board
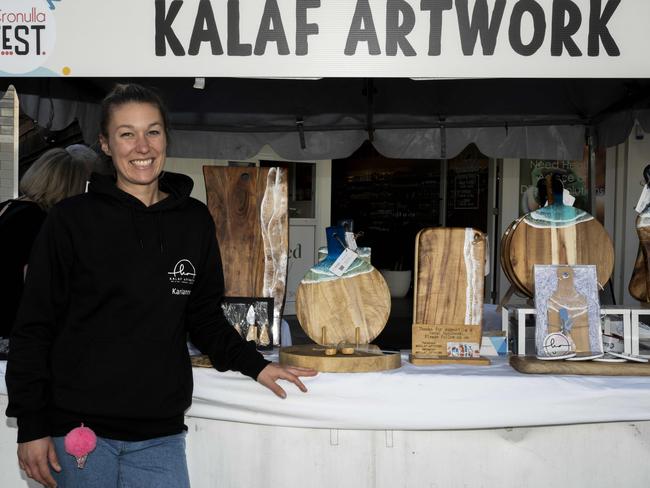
639, 285
341, 305
531, 365
249, 206
506, 263
449, 276
532, 241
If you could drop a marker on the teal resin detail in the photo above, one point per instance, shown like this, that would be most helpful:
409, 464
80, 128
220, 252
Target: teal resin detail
556, 215
321, 272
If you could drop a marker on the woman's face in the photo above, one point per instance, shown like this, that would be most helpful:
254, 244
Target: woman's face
137, 144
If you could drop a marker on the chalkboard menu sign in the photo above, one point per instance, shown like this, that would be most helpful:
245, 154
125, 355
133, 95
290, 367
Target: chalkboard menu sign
466, 192
389, 201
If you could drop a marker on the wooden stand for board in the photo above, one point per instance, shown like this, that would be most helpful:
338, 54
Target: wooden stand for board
448, 297
362, 360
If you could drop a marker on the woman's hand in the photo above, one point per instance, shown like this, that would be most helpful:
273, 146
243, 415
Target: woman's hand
273, 372
36, 457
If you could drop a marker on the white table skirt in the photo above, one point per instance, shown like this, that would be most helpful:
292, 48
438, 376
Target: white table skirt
425, 398
422, 398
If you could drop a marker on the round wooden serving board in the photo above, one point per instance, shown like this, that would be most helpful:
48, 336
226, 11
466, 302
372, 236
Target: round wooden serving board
581, 243
341, 305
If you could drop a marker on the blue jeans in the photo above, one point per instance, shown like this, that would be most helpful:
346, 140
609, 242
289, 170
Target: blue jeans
155, 463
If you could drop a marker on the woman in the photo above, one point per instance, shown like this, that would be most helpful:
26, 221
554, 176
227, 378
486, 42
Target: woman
55, 175
105, 301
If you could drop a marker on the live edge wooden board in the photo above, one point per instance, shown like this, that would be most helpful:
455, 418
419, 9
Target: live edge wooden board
250, 211
448, 296
531, 365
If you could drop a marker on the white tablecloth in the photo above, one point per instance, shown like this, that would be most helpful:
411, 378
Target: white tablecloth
422, 398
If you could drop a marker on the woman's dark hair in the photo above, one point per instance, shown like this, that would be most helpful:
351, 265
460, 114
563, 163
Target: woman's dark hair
129, 93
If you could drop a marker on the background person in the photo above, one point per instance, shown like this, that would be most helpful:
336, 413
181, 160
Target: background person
55, 175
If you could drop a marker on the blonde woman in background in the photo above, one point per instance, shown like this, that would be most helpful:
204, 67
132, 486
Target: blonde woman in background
55, 175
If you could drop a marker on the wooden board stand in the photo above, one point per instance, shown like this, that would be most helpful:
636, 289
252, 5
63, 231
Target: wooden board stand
360, 361
448, 297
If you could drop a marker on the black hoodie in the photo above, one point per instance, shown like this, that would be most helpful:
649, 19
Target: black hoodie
111, 290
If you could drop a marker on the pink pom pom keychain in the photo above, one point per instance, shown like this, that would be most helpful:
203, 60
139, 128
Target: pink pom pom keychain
80, 442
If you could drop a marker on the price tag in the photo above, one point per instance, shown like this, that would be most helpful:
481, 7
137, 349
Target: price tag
343, 262
350, 241
644, 200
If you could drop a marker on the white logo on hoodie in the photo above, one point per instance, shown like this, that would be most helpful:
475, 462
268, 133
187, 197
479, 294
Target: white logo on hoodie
184, 272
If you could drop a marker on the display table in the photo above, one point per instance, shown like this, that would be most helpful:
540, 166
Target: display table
416, 426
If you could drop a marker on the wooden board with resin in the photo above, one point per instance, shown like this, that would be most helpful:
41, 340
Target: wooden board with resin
342, 304
556, 234
506, 261
449, 276
448, 296
531, 365
250, 209
310, 356
639, 285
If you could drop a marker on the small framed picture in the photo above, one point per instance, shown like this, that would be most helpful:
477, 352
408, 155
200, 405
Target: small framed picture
568, 311
252, 317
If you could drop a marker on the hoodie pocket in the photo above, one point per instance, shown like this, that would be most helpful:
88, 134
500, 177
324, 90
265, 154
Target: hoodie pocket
131, 380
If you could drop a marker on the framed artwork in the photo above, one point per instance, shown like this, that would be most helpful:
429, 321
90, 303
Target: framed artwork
568, 311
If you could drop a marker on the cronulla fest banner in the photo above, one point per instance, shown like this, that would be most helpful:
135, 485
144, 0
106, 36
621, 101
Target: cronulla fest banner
325, 38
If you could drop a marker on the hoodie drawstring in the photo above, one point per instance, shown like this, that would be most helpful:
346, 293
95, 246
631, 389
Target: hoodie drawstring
159, 229
160, 232
135, 226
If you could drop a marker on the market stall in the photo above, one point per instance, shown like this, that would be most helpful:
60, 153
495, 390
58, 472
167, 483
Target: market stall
412, 426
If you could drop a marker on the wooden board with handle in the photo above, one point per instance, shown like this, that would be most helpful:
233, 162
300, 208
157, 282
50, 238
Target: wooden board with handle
639, 285
449, 276
448, 296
